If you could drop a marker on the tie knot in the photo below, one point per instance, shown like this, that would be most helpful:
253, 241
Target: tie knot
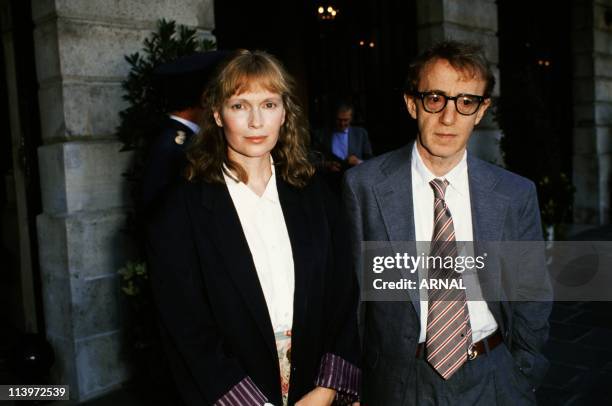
439, 187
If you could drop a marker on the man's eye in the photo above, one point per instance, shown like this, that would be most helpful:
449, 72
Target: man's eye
466, 101
434, 98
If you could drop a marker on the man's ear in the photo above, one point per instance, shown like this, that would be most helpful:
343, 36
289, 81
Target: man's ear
218, 119
482, 110
410, 105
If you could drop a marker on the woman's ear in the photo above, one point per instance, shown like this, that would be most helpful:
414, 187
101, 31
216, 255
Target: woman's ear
218, 119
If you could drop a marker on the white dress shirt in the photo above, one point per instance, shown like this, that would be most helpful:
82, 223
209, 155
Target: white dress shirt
457, 199
192, 126
264, 227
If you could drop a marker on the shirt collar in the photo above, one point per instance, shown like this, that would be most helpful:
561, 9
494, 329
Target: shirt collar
192, 126
270, 193
456, 177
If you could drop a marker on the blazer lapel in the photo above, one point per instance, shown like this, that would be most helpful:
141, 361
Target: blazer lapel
351, 144
228, 237
394, 198
488, 213
298, 227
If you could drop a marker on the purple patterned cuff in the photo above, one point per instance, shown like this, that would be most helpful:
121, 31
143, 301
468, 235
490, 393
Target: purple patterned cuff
244, 393
344, 377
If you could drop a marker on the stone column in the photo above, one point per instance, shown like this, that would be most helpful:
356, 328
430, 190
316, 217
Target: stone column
592, 59
80, 47
466, 20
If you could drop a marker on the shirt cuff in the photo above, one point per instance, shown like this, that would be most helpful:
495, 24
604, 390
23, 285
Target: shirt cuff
244, 393
340, 375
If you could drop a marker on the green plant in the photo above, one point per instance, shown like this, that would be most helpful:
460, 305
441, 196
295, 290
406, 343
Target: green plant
146, 106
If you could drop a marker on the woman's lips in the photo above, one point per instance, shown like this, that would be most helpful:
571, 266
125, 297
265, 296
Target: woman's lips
257, 139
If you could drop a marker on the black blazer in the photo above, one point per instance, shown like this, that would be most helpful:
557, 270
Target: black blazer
211, 304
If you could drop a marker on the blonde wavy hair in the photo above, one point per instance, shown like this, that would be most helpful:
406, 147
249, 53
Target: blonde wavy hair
241, 72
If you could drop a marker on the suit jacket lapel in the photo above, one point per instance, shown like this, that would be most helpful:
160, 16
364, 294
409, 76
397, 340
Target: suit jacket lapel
351, 146
394, 198
228, 237
488, 214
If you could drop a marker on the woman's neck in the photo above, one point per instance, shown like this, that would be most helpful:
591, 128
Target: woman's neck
258, 169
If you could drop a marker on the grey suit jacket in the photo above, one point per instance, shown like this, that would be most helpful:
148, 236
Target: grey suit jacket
378, 201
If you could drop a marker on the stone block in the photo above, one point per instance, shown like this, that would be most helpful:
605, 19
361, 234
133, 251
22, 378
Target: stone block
97, 50
64, 370
427, 36
92, 109
584, 114
599, 16
46, 51
582, 15
429, 11
97, 244
583, 65
602, 41
51, 102
582, 40
57, 303
584, 90
604, 140
95, 305
190, 12
585, 141
480, 14
603, 65
83, 176
603, 89
603, 114
101, 364
586, 198
52, 242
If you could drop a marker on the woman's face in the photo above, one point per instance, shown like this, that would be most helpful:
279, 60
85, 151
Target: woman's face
251, 122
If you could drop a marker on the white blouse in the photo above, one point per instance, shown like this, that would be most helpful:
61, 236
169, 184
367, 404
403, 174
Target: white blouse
264, 227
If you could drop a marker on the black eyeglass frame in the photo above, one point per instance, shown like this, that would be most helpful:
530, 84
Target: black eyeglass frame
422, 96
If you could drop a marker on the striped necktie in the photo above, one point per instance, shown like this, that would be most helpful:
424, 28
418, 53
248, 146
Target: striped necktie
449, 334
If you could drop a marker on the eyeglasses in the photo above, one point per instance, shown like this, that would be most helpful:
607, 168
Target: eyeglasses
466, 104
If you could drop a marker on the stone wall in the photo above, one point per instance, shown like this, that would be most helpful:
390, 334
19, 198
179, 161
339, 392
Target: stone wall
80, 47
466, 20
592, 161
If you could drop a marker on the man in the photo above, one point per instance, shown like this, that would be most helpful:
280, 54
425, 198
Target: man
429, 348
345, 146
182, 83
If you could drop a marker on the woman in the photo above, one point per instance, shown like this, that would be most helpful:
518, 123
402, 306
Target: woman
248, 263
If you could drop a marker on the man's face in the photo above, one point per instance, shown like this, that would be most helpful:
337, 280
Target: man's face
443, 136
343, 119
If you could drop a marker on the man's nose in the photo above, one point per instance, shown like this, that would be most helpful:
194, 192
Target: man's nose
449, 114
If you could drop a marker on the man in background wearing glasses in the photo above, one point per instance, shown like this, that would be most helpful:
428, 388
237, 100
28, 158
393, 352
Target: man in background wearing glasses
444, 346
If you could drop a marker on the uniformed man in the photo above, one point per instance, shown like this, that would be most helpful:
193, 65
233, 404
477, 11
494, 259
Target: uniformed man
182, 82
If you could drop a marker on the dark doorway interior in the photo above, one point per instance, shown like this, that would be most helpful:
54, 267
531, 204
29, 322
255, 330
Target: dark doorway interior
361, 54
20, 200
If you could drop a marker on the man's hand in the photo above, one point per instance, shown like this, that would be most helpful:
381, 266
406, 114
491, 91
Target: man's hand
319, 396
333, 166
353, 160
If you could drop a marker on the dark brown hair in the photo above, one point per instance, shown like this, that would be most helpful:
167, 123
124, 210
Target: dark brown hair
242, 71
462, 56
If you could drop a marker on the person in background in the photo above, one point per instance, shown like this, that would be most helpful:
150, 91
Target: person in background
248, 261
345, 145
182, 82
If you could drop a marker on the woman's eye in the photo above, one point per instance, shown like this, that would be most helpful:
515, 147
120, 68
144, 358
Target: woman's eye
236, 106
270, 105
